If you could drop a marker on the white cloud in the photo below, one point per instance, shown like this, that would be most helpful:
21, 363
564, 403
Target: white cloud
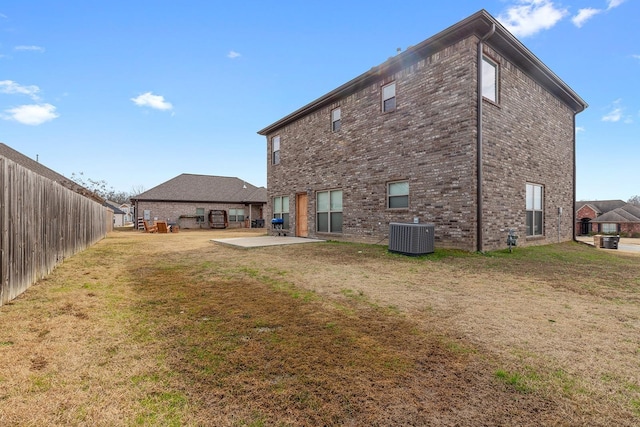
233, 54
33, 115
587, 13
584, 15
580, 129
615, 115
30, 48
614, 3
153, 101
12, 88
635, 56
531, 16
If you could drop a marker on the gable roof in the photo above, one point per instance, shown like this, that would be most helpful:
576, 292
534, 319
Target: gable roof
205, 188
601, 206
114, 207
626, 213
479, 24
42, 170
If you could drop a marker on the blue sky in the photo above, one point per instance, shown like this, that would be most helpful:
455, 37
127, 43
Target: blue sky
137, 92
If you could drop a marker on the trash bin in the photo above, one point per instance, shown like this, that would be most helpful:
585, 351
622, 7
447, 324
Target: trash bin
610, 242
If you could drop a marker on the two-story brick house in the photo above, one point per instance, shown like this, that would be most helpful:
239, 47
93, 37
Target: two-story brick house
468, 130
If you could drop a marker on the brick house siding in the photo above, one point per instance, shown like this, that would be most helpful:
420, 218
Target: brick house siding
585, 212
528, 138
602, 216
430, 141
171, 212
177, 200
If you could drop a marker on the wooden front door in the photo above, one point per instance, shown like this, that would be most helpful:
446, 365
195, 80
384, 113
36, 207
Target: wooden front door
302, 229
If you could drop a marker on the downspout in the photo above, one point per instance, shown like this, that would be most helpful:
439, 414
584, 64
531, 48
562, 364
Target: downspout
574, 179
479, 233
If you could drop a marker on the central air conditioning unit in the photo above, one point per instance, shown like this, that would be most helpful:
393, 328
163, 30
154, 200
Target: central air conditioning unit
411, 239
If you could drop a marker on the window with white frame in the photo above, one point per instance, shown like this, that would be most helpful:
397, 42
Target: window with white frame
236, 215
534, 209
489, 79
398, 195
389, 97
609, 228
281, 210
336, 119
329, 211
275, 150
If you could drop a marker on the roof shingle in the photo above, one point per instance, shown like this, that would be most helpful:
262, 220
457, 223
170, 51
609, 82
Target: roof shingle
205, 188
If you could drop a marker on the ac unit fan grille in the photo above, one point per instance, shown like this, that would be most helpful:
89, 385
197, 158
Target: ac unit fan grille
411, 239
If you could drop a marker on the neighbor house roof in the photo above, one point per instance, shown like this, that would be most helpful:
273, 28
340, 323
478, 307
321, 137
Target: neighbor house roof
42, 170
205, 188
600, 206
626, 213
478, 24
114, 207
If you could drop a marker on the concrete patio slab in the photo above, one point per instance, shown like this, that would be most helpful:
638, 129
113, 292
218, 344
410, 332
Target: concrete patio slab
260, 241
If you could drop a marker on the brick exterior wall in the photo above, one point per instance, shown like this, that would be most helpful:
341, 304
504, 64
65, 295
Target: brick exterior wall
585, 212
528, 138
171, 211
430, 141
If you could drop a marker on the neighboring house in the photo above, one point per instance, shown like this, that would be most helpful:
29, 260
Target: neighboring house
188, 199
118, 214
607, 216
468, 130
40, 169
128, 213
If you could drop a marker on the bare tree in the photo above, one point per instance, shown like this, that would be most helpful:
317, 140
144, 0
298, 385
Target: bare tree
635, 200
102, 188
137, 189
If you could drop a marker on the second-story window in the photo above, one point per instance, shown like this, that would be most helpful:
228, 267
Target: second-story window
336, 119
275, 150
489, 79
389, 97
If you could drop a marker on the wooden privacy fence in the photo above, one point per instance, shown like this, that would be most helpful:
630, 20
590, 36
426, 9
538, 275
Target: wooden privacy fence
42, 223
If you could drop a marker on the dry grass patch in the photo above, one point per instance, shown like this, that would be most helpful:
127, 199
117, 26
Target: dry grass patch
175, 330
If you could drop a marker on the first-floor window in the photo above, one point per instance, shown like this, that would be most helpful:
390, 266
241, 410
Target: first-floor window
398, 195
199, 214
329, 211
236, 215
534, 205
281, 210
609, 228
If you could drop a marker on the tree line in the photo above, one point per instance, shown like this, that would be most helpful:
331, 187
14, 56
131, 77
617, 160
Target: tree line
101, 188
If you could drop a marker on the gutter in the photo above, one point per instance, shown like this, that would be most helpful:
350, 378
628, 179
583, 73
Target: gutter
479, 177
